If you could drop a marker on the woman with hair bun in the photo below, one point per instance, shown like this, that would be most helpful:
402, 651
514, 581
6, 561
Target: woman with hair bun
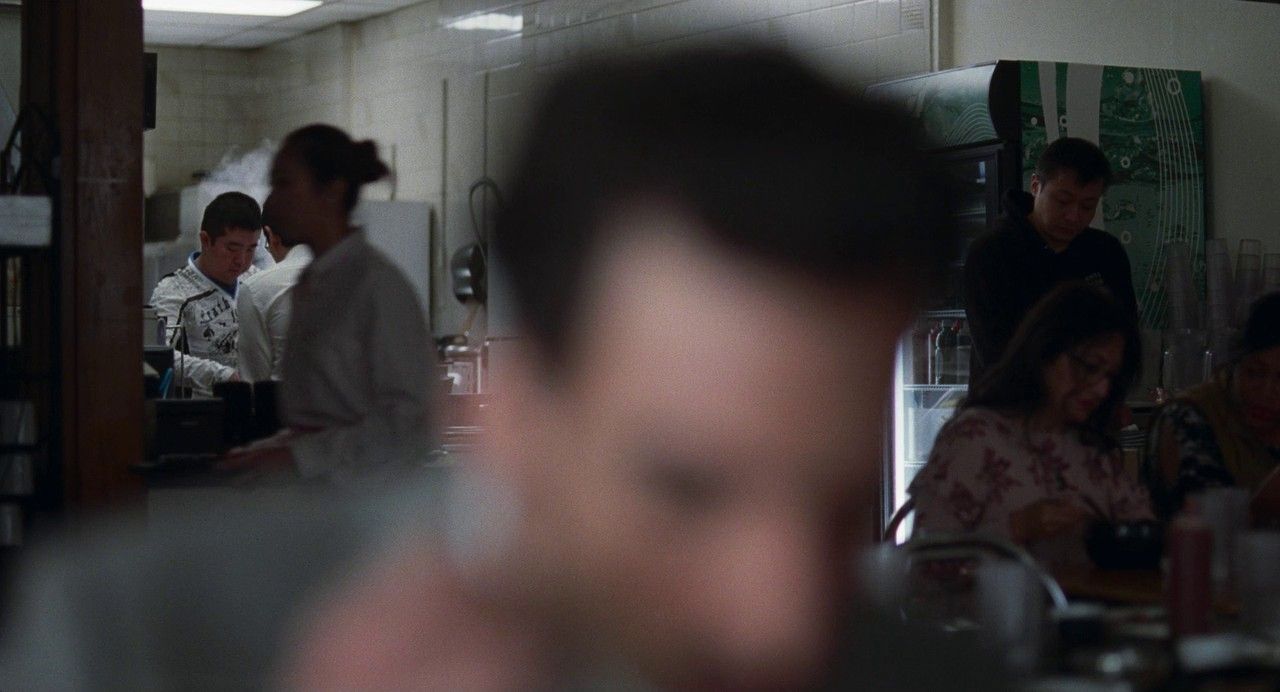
354, 395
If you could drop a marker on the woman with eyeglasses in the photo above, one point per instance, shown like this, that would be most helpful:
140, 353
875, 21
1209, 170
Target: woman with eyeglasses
1028, 456
1225, 432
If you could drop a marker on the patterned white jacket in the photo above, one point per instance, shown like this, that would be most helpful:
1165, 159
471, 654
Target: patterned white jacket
206, 344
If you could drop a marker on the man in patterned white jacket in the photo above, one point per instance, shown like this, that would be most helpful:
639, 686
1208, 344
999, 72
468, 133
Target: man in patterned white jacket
201, 297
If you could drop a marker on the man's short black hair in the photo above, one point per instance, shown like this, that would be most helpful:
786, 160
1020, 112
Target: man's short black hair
1080, 156
775, 162
231, 210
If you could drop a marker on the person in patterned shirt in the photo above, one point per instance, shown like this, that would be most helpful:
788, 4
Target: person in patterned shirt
1225, 432
1028, 457
200, 297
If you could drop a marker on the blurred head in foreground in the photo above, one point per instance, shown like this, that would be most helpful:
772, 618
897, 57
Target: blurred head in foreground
711, 255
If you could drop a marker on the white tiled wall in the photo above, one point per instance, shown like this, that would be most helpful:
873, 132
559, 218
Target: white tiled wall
207, 103
859, 41
448, 104
385, 77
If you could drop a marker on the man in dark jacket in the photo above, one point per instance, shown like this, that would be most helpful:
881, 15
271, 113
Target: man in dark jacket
1043, 240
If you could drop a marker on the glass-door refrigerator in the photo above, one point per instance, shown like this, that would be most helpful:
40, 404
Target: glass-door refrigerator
992, 122
931, 371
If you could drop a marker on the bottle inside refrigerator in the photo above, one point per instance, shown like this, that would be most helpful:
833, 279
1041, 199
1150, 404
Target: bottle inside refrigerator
925, 399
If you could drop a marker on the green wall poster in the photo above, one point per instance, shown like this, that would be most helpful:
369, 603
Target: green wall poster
1150, 124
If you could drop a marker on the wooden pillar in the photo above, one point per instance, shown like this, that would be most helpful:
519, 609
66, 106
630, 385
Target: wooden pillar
82, 64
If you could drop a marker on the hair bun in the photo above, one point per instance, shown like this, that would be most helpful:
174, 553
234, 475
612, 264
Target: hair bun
366, 166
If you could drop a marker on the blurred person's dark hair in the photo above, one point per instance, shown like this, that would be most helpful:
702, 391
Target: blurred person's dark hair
1071, 316
774, 162
1079, 156
1261, 330
231, 210
330, 154
285, 239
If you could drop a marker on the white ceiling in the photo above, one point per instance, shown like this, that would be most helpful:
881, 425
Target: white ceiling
238, 31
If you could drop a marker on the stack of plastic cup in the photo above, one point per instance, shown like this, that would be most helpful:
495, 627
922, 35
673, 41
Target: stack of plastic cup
1152, 353
1179, 289
1271, 272
1248, 276
1219, 304
1218, 279
1183, 362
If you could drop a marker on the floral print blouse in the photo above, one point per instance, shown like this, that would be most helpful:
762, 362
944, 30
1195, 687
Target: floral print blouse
986, 465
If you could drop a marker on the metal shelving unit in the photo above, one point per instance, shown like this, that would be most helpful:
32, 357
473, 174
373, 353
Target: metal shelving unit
26, 391
30, 477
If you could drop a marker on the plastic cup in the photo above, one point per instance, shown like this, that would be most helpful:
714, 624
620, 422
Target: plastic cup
1257, 561
1218, 282
1226, 511
1011, 613
1182, 365
1248, 284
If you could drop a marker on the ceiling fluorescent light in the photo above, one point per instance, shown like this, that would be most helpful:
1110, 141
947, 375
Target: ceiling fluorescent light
254, 8
489, 22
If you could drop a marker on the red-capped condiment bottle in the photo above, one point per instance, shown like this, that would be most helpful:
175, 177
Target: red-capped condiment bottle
1189, 591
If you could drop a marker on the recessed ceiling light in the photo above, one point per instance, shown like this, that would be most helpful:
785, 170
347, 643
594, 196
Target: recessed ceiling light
256, 8
489, 22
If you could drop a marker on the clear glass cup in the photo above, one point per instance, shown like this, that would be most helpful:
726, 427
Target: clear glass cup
1226, 511
1179, 288
1219, 281
1248, 284
1257, 564
1011, 613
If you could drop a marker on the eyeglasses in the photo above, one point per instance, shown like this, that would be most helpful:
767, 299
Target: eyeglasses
1088, 371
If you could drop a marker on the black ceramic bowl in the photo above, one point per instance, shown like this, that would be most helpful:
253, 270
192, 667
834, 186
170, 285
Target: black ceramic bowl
1125, 544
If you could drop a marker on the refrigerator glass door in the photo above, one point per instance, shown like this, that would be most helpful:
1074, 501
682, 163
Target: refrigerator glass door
932, 369
929, 383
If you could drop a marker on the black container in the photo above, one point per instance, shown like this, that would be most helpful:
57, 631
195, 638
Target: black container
1125, 544
266, 417
1080, 625
189, 426
238, 418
